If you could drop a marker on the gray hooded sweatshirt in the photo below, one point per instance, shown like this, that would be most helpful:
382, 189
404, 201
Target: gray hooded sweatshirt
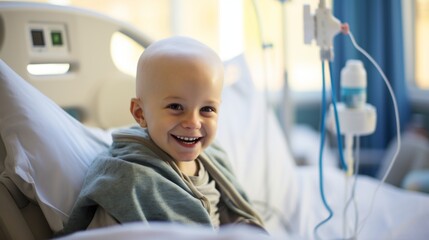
135, 180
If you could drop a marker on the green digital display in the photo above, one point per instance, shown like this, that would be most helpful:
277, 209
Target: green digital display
57, 38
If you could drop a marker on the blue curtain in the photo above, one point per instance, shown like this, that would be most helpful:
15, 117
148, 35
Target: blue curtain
377, 27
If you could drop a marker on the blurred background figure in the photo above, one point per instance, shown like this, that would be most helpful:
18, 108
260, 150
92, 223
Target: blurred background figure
411, 169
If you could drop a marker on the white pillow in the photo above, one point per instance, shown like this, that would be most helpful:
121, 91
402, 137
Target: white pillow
257, 148
47, 151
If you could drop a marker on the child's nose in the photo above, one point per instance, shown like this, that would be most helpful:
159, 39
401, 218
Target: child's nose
191, 121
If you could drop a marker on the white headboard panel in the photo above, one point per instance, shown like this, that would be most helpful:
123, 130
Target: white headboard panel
35, 33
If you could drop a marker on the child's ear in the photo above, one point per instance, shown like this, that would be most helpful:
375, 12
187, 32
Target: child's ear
137, 112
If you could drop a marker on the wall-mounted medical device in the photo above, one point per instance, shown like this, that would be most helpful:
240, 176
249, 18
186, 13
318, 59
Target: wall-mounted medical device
48, 38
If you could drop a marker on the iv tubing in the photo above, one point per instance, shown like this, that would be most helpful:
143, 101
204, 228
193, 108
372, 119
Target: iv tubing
337, 122
348, 144
352, 194
322, 143
398, 135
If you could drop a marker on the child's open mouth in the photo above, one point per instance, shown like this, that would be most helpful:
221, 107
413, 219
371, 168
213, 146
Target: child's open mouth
187, 140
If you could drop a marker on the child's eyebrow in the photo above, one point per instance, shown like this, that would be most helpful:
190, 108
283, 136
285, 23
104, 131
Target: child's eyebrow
212, 102
175, 98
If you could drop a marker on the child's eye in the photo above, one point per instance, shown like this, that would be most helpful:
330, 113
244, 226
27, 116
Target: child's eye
175, 106
208, 109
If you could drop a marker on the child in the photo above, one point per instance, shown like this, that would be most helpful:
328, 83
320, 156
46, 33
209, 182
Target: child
168, 168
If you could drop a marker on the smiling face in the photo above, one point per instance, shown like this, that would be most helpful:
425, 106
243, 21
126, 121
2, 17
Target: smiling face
179, 84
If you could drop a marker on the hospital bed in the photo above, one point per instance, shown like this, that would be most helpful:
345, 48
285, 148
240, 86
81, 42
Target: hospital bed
52, 126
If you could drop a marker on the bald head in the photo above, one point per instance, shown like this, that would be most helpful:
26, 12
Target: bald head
162, 60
